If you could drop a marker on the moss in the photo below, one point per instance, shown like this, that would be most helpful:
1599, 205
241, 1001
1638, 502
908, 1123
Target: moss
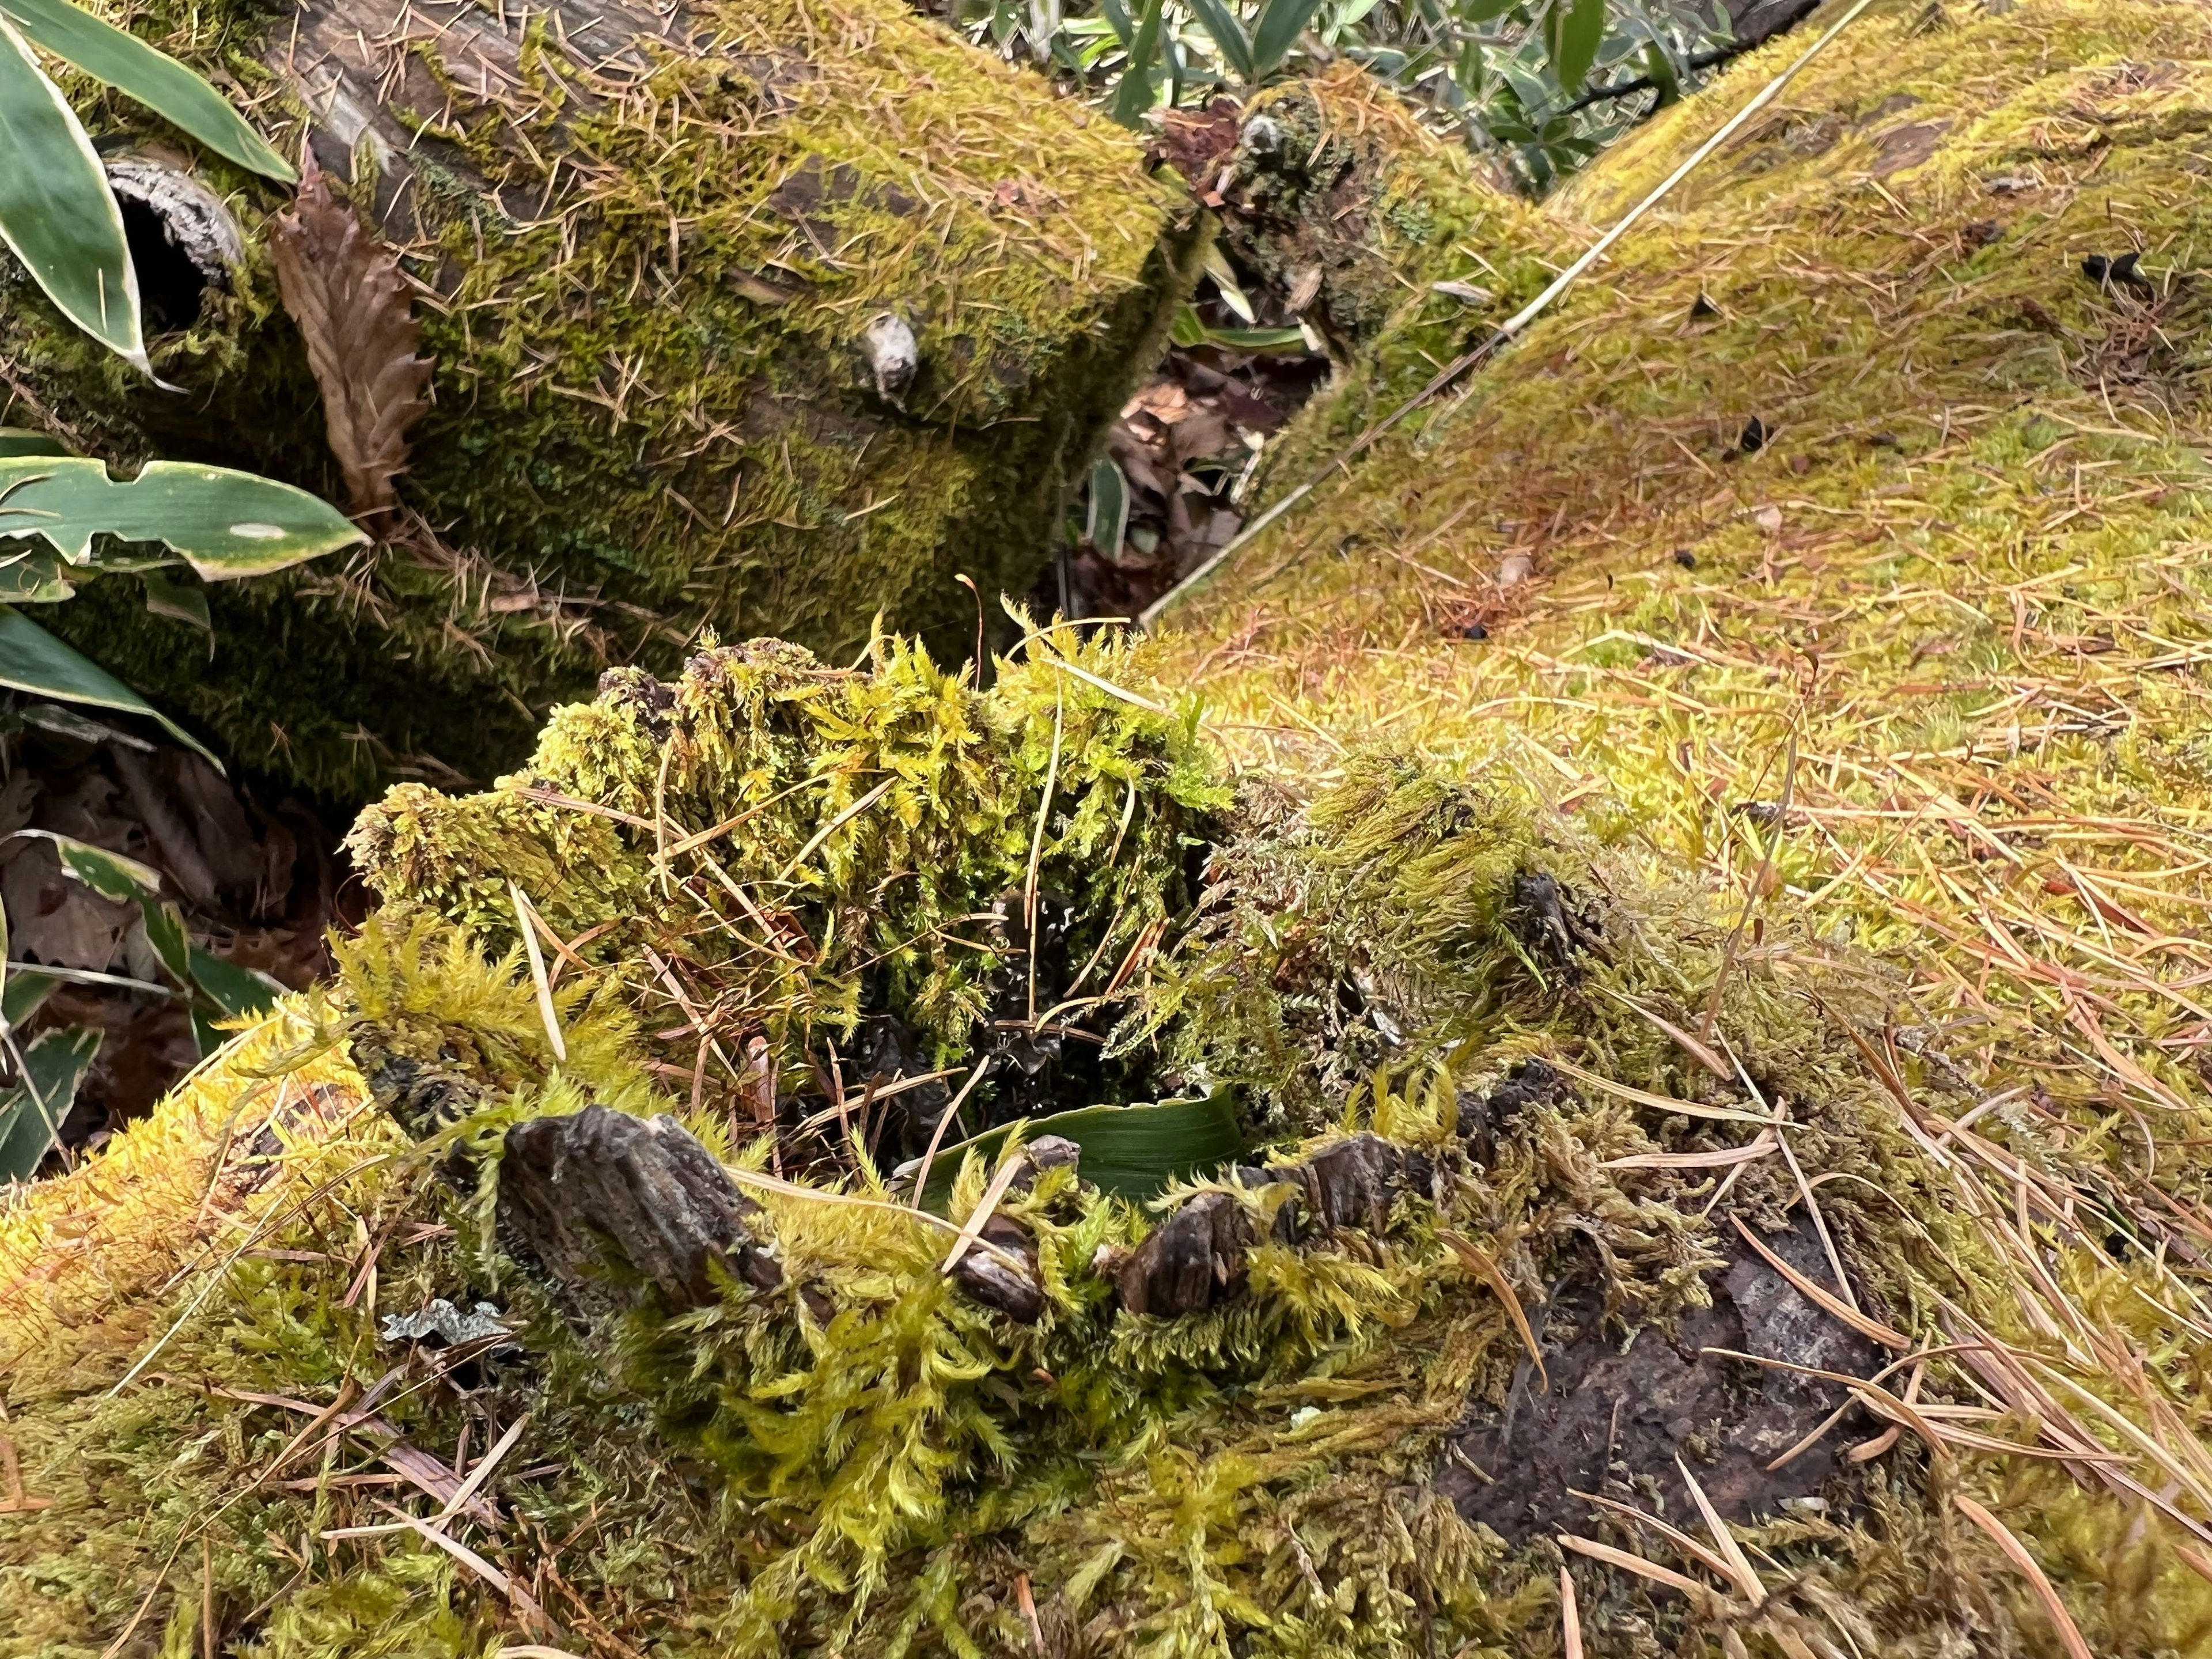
1966, 974
1946, 605
847, 856
1336, 182
652, 410
867, 1460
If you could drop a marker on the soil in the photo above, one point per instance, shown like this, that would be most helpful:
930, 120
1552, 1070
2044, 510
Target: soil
1613, 1420
259, 882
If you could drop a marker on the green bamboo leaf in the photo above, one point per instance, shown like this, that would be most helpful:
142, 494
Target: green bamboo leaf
1229, 36
165, 931
226, 524
57, 213
31, 1113
33, 660
1135, 96
26, 991
239, 991
178, 601
1579, 32
1134, 1151
154, 78
1108, 521
1280, 25
21, 440
35, 577
111, 875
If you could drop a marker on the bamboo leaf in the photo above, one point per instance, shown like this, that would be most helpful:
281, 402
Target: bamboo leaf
226, 524
1108, 518
239, 991
1135, 96
1134, 1151
35, 577
21, 440
57, 213
1580, 30
1280, 25
1228, 37
26, 992
33, 660
111, 875
178, 601
31, 1113
154, 78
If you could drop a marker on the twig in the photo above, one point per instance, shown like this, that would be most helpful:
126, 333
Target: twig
937, 1135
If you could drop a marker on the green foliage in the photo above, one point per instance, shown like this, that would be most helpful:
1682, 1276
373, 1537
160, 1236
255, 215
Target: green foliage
154, 78
1514, 76
1134, 1152
215, 989
814, 846
50, 1067
226, 524
56, 213
32, 660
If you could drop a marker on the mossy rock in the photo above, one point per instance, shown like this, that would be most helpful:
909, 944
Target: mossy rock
648, 255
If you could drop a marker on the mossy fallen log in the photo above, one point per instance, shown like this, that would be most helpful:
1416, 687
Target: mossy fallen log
652, 252
1713, 1092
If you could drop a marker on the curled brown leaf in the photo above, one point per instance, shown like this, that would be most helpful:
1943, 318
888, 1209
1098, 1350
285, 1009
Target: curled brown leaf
343, 287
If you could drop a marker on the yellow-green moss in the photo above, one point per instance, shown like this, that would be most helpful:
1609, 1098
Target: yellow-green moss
748, 1479
1959, 580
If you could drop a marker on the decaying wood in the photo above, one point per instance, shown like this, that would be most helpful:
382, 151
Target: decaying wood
600, 1189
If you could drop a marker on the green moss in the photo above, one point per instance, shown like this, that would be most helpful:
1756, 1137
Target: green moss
867, 1462
634, 437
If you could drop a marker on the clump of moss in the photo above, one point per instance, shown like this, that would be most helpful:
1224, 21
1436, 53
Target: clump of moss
867, 1460
773, 853
1405, 250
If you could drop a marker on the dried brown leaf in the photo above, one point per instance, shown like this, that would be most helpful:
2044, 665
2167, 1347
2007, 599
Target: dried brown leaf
343, 287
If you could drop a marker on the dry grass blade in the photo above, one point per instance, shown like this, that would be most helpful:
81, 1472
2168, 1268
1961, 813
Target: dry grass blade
1697, 1049
344, 289
1635, 1564
1494, 1276
1571, 1616
937, 1135
1740, 1572
2016, 1553
545, 1010
1757, 1147
17, 1502
984, 1208
835, 825
1873, 1329
1673, 1534
1666, 1104
520, 1598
